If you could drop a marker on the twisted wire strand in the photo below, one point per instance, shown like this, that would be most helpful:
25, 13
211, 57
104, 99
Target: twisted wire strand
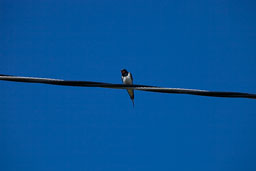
122, 86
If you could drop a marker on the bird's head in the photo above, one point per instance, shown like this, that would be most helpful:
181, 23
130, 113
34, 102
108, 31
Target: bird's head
124, 72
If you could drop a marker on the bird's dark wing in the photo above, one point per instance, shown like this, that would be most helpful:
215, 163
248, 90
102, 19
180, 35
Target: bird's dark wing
131, 77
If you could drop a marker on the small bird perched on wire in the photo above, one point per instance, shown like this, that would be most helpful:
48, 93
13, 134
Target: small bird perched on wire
128, 80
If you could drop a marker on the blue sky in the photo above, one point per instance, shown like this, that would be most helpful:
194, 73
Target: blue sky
187, 44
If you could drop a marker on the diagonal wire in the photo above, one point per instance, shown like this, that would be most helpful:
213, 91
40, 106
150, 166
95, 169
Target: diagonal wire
122, 86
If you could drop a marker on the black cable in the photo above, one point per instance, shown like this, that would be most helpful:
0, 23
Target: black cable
122, 86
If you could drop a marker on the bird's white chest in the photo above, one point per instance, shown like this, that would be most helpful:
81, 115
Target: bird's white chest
127, 79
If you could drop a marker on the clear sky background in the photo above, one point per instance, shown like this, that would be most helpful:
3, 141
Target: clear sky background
188, 44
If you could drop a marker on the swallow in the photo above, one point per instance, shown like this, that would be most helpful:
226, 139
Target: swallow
128, 80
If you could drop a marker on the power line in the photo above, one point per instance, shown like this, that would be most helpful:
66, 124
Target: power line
122, 86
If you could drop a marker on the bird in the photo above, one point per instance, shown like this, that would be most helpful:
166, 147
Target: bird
128, 80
